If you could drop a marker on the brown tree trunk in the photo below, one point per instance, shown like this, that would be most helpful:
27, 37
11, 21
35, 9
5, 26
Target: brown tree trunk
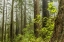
11, 24
21, 18
58, 33
25, 15
17, 27
36, 12
45, 13
3, 22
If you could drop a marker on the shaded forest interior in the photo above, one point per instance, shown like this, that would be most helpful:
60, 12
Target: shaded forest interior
31, 20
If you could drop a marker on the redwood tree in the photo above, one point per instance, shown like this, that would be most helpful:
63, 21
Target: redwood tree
45, 13
17, 27
11, 24
58, 33
36, 12
3, 22
25, 14
21, 18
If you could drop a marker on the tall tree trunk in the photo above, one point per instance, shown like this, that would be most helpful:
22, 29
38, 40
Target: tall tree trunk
25, 15
11, 24
58, 33
21, 18
45, 13
3, 22
36, 12
17, 27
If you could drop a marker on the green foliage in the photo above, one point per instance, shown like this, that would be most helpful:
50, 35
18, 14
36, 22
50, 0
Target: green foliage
7, 38
27, 38
28, 35
46, 32
51, 8
18, 38
38, 19
28, 32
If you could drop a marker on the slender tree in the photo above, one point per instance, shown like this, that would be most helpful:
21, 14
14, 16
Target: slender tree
45, 13
3, 22
11, 24
36, 13
21, 18
25, 14
17, 27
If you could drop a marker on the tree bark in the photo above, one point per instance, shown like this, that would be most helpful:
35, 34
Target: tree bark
36, 12
21, 18
3, 22
45, 13
25, 15
58, 33
17, 27
11, 24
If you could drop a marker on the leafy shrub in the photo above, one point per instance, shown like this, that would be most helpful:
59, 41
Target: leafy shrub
51, 8
46, 32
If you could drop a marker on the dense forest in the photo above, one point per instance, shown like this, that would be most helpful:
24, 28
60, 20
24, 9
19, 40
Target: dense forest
31, 20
